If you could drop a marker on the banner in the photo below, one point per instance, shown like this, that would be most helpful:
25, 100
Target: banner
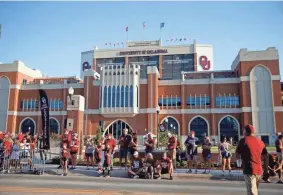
45, 119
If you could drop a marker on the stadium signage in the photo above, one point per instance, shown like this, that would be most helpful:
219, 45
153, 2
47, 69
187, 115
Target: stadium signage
143, 52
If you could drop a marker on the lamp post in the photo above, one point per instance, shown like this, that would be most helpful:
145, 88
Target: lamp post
157, 112
71, 93
29, 130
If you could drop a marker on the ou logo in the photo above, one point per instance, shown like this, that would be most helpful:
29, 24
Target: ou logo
86, 66
204, 62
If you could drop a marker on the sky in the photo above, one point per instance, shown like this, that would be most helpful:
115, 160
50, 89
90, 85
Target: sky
50, 36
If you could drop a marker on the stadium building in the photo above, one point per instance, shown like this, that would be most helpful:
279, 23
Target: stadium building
145, 84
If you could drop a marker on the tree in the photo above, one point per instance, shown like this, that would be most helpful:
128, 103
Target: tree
163, 139
98, 135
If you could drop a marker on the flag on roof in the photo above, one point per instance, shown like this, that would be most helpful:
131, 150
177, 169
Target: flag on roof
162, 24
127, 28
143, 25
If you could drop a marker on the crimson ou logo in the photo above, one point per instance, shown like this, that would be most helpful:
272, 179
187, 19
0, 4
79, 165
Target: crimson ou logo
204, 62
86, 66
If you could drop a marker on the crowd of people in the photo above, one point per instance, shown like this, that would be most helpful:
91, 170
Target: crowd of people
250, 150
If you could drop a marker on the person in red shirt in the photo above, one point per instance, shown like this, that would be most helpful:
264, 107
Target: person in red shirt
136, 166
107, 161
164, 166
172, 145
65, 159
98, 155
112, 143
251, 150
74, 149
20, 137
7, 146
149, 144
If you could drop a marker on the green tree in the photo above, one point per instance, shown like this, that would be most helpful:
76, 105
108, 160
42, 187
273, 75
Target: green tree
163, 139
98, 135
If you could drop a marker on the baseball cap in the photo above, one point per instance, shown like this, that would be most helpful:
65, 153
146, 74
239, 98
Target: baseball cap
250, 128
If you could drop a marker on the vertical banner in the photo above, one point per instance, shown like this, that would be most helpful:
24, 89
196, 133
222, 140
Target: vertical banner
45, 119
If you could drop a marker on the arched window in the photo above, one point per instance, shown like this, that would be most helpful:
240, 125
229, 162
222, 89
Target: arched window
116, 128
200, 127
127, 96
54, 126
262, 101
229, 128
122, 96
105, 97
28, 125
131, 96
171, 125
109, 97
113, 96
118, 97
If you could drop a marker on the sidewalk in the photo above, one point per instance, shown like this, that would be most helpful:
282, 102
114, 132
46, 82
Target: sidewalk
122, 173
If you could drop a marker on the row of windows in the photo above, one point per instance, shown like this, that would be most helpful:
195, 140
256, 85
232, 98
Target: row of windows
118, 96
172, 101
199, 101
227, 101
172, 65
29, 104
33, 104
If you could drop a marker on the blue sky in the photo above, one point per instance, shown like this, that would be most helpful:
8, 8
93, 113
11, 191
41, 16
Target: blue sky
50, 36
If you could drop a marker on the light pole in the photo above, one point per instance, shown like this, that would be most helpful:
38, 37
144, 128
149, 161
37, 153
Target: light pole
29, 130
157, 112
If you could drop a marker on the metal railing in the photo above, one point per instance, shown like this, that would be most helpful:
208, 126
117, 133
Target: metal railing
22, 161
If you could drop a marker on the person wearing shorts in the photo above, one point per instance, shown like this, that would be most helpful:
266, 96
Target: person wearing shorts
206, 154
133, 146
112, 143
172, 145
107, 161
124, 140
65, 159
225, 154
74, 149
89, 153
251, 150
136, 169
149, 165
165, 166
98, 155
191, 151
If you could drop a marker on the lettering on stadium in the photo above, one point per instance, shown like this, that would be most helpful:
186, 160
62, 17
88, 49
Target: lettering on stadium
143, 52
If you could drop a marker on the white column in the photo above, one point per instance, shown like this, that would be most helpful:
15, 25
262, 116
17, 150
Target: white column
200, 101
195, 101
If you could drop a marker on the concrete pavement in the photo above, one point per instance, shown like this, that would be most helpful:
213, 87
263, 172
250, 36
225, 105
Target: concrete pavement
122, 173
31, 184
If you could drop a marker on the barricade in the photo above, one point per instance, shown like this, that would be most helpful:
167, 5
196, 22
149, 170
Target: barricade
23, 161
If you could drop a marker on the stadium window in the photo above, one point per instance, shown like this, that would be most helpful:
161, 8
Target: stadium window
198, 101
113, 96
109, 97
168, 101
131, 96
122, 96
227, 101
105, 97
126, 96
118, 97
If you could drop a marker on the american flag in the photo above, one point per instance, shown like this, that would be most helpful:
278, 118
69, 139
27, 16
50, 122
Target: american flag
143, 24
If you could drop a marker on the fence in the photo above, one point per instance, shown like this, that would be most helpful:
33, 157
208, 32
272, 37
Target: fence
23, 161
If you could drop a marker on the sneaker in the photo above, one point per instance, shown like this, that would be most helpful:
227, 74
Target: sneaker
280, 181
136, 177
158, 178
107, 176
65, 174
59, 167
171, 177
204, 172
